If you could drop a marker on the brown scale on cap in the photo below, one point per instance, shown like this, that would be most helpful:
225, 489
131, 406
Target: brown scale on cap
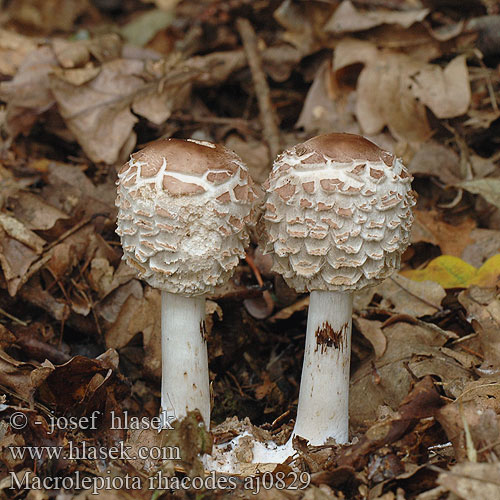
355, 201
183, 210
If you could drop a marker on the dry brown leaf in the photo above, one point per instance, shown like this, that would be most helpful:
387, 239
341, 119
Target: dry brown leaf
348, 19
435, 159
409, 348
15, 260
476, 409
372, 331
13, 49
486, 244
19, 232
385, 98
131, 310
41, 14
286, 312
321, 113
34, 212
404, 295
22, 378
483, 311
98, 113
304, 24
451, 239
393, 88
28, 93
472, 480
445, 91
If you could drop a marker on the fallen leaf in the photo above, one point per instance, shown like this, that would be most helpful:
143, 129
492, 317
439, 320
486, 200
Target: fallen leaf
15, 261
13, 49
410, 348
445, 91
472, 480
28, 94
404, 296
393, 89
34, 212
348, 19
372, 331
453, 272
385, 98
19, 232
435, 159
130, 311
421, 402
451, 239
144, 27
322, 113
22, 378
486, 244
472, 421
483, 311
41, 14
488, 188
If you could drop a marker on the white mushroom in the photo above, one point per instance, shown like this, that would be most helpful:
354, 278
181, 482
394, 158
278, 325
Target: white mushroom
183, 206
338, 217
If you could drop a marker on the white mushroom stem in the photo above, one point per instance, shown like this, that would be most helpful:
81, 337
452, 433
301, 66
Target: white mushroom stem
322, 412
185, 382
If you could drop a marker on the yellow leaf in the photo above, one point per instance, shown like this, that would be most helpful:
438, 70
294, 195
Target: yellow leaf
447, 270
488, 274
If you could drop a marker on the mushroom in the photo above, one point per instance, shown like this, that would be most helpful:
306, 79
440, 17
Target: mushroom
338, 217
183, 209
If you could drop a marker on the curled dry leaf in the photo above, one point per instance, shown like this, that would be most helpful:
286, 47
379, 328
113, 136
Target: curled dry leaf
489, 189
322, 111
422, 401
22, 378
348, 19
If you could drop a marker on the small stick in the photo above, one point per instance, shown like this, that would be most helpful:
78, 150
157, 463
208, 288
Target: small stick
268, 116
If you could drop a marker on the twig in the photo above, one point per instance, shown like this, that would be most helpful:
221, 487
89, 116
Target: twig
268, 116
13, 318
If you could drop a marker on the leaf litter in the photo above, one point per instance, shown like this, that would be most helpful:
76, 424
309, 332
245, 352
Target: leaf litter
80, 334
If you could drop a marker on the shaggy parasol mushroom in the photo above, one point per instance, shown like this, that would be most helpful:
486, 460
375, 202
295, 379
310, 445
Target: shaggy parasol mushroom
338, 217
183, 206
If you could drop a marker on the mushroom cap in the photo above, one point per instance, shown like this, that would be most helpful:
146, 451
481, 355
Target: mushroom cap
337, 213
183, 209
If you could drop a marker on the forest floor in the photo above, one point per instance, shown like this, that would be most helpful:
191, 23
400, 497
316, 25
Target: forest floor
85, 83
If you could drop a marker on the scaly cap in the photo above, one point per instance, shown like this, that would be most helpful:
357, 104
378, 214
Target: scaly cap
338, 213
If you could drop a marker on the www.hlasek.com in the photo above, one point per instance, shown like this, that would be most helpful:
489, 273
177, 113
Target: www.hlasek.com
159, 481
